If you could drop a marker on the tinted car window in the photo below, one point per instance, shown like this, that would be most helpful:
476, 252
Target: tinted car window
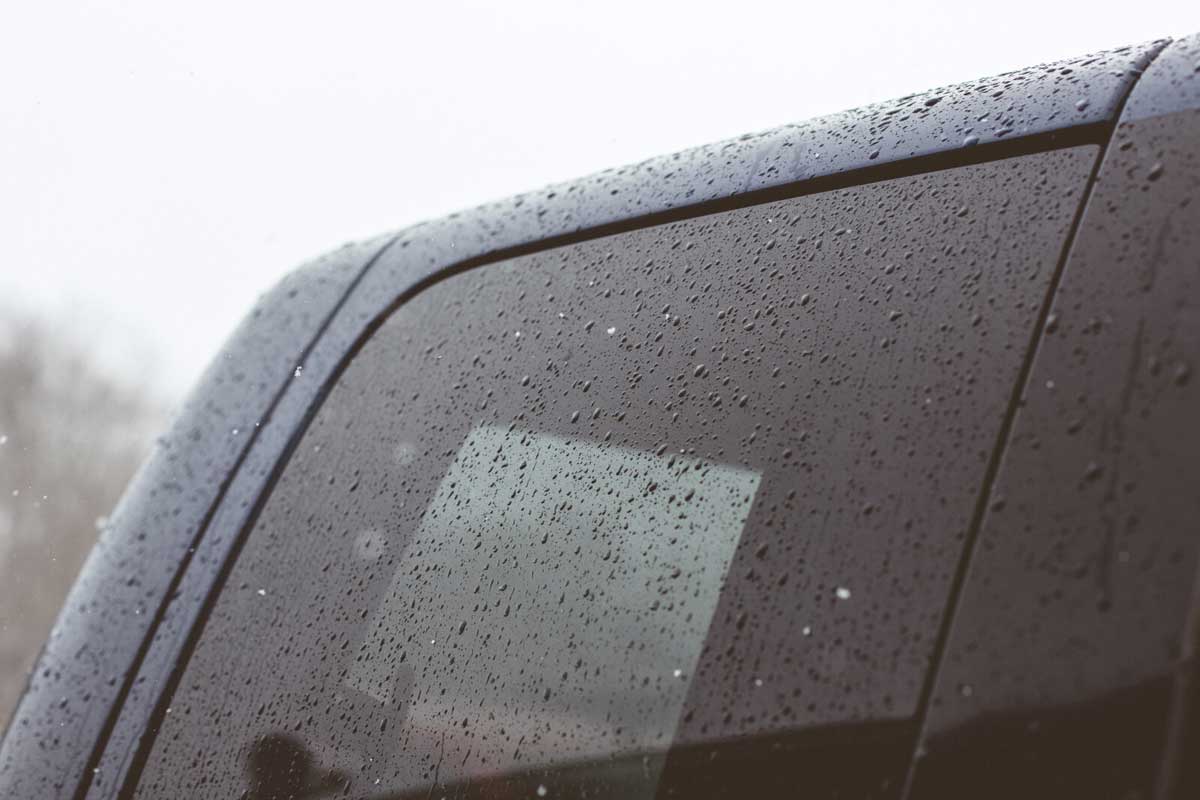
673, 512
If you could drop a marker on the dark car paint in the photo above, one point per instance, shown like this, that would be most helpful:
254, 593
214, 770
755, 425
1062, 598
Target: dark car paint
1095, 510
198, 491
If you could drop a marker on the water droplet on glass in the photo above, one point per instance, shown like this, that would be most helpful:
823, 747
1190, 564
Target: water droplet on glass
1182, 374
405, 453
369, 545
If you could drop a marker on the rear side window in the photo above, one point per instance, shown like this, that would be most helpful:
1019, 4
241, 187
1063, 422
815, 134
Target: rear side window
668, 513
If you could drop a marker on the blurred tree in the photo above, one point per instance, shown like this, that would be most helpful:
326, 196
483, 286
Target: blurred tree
71, 437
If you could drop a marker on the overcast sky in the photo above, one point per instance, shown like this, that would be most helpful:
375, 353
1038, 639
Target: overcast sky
163, 163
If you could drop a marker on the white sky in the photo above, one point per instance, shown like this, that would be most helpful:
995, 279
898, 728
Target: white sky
162, 163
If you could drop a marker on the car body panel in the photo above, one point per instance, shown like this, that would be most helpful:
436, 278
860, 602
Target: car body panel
1070, 685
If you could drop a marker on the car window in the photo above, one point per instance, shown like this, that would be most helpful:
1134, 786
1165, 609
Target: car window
673, 512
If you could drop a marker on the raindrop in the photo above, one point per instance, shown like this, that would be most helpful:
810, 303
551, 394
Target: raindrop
405, 454
1182, 374
369, 545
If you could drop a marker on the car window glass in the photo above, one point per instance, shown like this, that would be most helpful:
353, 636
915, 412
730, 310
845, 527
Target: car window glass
673, 512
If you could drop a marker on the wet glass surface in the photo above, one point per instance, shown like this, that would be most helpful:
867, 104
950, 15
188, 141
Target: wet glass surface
670, 513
